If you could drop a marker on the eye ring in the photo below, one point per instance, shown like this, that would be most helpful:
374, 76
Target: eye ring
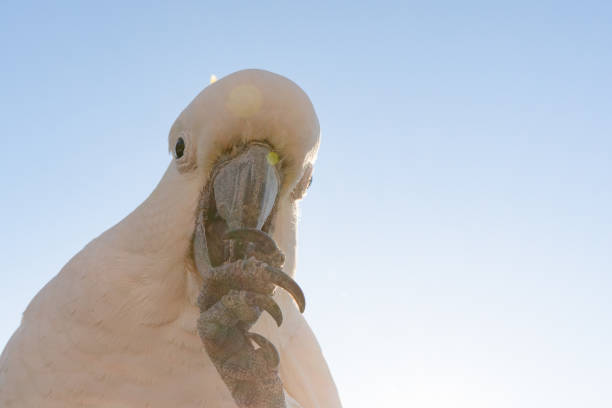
183, 151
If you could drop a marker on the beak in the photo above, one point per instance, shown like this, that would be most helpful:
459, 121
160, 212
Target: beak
245, 188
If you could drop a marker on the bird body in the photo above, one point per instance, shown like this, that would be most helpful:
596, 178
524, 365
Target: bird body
117, 326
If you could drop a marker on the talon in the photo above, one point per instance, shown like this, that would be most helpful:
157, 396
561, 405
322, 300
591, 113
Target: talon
280, 278
264, 242
270, 352
256, 276
269, 305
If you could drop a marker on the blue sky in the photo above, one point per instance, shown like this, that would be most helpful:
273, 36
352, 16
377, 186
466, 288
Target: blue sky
456, 244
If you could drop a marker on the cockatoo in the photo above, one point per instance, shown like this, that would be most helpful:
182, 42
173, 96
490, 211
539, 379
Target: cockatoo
164, 309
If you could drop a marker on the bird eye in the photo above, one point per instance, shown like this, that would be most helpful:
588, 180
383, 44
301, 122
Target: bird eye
300, 188
179, 149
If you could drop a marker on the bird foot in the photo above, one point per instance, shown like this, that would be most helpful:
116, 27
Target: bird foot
233, 297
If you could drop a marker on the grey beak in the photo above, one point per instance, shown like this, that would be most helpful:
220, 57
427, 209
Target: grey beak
245, 188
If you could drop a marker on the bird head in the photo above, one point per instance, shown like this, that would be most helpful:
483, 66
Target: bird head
242, 156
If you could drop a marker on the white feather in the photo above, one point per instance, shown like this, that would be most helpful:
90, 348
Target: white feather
116, 326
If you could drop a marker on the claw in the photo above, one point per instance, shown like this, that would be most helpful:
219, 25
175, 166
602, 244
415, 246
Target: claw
270, 306
263, 302
280, 278
264, 242
254, 276
270, 352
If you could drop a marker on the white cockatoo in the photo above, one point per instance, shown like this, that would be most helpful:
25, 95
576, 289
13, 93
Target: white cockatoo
126, 321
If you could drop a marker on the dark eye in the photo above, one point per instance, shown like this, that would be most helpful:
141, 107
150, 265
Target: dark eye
179, 149
309, 183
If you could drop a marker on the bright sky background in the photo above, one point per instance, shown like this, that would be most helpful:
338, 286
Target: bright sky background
456, 244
